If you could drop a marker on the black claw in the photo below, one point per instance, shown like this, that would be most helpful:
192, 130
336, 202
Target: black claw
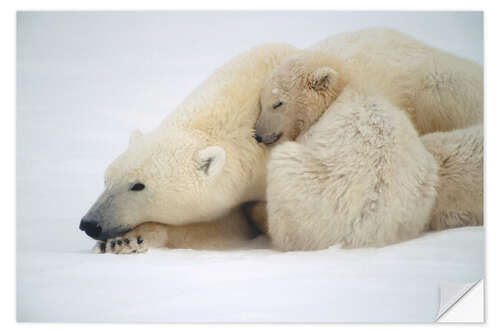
102, 246
119, 242
112, 244
127, 241
140, 240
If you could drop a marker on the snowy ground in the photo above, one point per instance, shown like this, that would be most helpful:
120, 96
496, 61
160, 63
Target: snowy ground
86, 80
397, 283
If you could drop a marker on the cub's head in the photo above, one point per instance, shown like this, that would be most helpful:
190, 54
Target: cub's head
296, 94
169, 176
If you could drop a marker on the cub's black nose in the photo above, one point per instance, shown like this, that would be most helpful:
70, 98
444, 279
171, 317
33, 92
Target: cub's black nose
91, 228
258, 138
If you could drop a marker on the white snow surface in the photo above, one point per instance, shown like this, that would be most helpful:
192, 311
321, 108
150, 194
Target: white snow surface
86, 80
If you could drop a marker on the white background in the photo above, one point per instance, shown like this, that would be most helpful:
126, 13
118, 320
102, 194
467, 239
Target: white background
82, 85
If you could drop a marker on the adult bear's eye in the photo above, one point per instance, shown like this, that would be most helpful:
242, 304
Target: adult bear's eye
138, 187
277, 105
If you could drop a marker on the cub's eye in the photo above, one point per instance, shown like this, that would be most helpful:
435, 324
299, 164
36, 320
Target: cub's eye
138, 187
277, 105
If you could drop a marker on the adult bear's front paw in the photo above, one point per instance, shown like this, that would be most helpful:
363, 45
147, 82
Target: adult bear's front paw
121, 245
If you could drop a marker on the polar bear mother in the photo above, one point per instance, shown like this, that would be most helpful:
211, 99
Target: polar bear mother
183, 184
198, 166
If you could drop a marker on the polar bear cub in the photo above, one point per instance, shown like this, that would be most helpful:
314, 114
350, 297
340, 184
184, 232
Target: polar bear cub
357, 175
295, 95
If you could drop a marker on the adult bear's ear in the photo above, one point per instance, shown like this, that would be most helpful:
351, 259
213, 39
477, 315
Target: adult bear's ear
210, 161
323, 77
134, 137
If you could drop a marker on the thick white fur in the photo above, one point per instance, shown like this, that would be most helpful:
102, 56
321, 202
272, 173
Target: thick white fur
314, 183
359, 177
439, 91
459, 154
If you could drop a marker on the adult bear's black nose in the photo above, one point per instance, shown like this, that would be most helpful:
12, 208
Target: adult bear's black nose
91, 228
258, 138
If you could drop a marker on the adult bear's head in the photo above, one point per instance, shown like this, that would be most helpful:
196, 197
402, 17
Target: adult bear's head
201, 162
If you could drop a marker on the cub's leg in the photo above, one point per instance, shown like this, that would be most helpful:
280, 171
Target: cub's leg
293, 187
460, 192
359, 177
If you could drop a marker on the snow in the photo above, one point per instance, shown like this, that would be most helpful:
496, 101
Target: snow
86, 80
398, 283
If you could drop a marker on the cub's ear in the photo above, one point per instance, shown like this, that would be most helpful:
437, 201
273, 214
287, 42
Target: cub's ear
323, 77
134, 137
210, 161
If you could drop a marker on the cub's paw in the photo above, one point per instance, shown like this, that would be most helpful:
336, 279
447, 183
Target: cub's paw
121, 245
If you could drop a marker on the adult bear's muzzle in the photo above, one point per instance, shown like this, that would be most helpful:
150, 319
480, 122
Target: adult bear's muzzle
91, 228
